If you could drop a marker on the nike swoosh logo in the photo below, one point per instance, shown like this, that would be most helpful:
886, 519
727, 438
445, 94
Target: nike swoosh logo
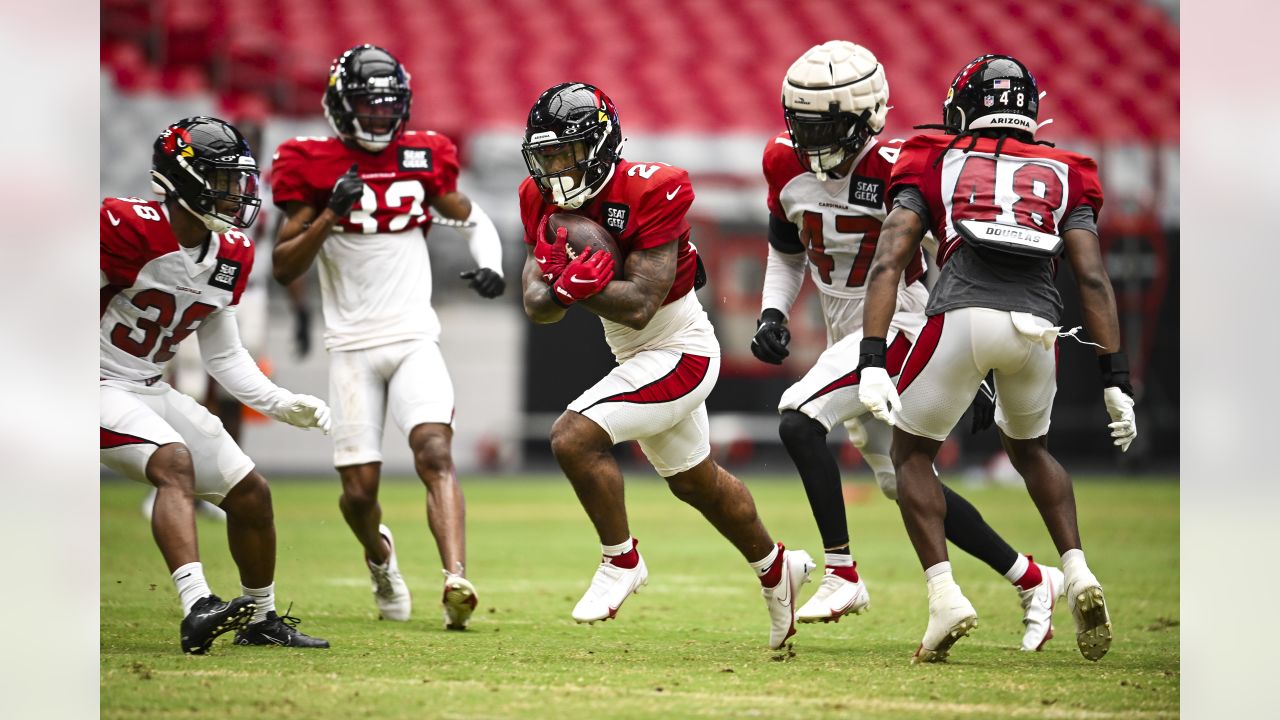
576, 279
564, 292
539, 259
673, 192
184, 577
116, 221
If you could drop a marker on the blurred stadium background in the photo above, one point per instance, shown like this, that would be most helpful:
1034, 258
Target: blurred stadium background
697, 85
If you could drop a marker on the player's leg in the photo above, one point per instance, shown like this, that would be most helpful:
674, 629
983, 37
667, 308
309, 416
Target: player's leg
357, 401
1024, 402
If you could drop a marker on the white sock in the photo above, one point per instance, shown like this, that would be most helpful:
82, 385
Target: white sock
189, 579
264, 600
1072, 560
762, 566
621, 548
938, 576
838, 559
1019, 568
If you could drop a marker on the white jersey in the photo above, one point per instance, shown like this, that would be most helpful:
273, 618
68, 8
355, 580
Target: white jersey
680, 325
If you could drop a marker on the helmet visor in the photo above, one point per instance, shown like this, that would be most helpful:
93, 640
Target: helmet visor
231, 193
379, 113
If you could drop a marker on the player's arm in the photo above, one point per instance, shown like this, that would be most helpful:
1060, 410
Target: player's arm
1097, 299
899, 244
226, 359
305, 229
783, 276
538, 302
633, 301
482, 240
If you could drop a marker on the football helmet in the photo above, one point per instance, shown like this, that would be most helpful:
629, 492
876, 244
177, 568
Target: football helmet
368, 98
572, 143
994, 92
207, 165
835, 98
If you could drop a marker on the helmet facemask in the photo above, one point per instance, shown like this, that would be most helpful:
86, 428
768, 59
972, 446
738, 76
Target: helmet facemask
376, 117
570, 170
822, 141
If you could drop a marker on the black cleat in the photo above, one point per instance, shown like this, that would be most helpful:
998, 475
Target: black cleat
209, 618
278, 630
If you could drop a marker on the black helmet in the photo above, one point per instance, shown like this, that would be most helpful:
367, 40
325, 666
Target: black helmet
367, 87
207, 165
572, 127
994, 92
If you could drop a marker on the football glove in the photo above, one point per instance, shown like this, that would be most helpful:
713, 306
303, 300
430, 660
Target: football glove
346, 192
484, 281
551, 257
875, 388
585, 276
983, 406
304, 411
772, 337
1117, 393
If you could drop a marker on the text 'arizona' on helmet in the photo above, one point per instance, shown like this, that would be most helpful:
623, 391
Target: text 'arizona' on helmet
835, 97
572, 142
993, 92
368, 98
208, 166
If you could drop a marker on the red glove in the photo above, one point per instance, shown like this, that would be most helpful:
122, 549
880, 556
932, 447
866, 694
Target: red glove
582, 278
551, 258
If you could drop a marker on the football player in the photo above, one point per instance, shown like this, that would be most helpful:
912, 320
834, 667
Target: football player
169, 269
357, 201
827, 176
1004, 207
667, 353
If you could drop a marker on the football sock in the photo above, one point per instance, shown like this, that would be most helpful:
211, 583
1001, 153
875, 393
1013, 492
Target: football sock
938, 576
1025, 574
806, 443
264, 601
189, 579
768, 569
1073, 560
623, 555
968, 531
841, 564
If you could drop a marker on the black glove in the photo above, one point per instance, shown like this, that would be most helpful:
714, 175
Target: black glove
484, 281
301, 332
983, 407
771, 338
1115, 372
346, 192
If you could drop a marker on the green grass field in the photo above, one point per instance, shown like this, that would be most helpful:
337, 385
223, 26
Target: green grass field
693, 644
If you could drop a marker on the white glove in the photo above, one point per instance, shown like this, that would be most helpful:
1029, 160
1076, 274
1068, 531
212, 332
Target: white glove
879, 394
1124, 424
304, 411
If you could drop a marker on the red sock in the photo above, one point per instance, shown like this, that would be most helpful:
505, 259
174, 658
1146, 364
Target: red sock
627, 560
1031, 578
773, 575
848, 573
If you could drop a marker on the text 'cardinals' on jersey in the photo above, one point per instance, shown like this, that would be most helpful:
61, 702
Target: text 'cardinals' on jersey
838, 219
643, 206
153, 292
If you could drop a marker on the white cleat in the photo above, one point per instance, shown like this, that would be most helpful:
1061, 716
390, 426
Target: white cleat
951, 617
835, 598
610, 587
1037, 608
390, 593
1089, 610
781, 598
459, 601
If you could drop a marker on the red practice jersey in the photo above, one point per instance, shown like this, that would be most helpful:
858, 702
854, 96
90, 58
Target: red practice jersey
397, 181
153, 292
643, 206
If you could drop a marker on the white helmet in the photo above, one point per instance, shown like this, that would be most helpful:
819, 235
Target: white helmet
835, 97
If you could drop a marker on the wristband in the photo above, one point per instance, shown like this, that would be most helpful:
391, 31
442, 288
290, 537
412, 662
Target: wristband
871, 352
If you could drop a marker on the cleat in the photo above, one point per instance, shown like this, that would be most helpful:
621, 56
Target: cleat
459, 601
390, 593
1089, 610
211, 617
279, 630
951, 617
610, 587
835, 598
1037, 608
780, 599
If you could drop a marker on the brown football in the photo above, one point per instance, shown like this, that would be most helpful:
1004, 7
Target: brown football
583, 233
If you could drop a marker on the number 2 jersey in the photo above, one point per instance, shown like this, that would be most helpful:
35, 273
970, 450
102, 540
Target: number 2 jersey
375, 272
154, 292
1032, 186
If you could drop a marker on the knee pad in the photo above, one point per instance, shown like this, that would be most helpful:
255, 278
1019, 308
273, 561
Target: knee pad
796, 427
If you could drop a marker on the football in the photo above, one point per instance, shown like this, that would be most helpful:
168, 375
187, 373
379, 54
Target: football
583, 233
